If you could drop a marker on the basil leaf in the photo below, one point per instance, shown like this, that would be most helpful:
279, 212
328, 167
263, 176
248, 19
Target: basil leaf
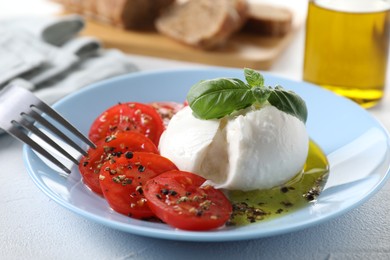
288, 102
254, 78
216, 98
261, 94
219, 97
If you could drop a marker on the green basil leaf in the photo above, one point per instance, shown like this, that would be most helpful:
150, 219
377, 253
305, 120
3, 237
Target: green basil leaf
288, 102
261, 94
216, 98
254, 78
219, 97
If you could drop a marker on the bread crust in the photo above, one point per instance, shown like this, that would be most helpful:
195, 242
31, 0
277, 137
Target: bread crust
234, 17
268, 20
128, 14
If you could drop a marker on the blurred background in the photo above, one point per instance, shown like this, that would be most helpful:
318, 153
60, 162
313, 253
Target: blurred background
69, 40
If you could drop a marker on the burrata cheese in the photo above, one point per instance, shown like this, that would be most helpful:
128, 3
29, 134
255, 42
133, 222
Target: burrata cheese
251, 149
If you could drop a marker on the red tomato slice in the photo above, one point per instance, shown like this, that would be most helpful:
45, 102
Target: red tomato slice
108, 148
122, 182
166, 110
177, 198
132, 116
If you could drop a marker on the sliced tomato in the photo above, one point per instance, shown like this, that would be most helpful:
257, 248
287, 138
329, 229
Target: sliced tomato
166, 110
177, 198
132, 116
122, 182
116, 145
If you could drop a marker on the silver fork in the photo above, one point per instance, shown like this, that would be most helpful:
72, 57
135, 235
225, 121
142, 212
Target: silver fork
21, 113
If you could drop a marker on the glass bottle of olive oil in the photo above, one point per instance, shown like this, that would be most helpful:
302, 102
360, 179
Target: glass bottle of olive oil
346, 48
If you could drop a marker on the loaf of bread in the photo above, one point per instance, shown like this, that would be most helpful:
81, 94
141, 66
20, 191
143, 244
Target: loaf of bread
203, 23
268, 20
128, 14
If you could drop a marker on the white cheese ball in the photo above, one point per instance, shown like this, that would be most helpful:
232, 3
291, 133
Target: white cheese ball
255, 149
186, 139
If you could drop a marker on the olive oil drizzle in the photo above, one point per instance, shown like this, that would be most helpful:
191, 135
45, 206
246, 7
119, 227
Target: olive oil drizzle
304, 188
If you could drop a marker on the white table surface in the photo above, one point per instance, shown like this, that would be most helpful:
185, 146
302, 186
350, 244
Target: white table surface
33, 226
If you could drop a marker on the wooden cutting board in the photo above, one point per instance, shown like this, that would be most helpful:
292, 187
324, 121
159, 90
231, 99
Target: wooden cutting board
242, 50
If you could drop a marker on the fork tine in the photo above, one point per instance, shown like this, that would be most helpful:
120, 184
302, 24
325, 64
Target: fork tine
19, 119
52, 113
19, 134
30, 126
55, 130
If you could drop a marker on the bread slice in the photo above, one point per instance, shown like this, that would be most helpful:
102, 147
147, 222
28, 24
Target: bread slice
203, 23
128, 14
268, 20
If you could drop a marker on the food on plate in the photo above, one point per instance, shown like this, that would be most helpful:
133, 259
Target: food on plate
256, 148
304, 188
268, 20
109, 148
203, 23
167, 110
130, 116
250, 144
245, 158
180, 199
122, 181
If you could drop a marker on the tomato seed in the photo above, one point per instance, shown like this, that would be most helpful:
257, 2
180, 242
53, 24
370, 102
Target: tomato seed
141, 168
129, 155
139, 189
199, 213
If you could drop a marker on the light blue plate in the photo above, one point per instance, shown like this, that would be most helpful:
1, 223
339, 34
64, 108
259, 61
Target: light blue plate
356, 145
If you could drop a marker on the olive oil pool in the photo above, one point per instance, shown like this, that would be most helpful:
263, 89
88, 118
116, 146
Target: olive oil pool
303, 189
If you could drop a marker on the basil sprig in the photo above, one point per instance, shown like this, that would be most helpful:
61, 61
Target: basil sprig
216, 98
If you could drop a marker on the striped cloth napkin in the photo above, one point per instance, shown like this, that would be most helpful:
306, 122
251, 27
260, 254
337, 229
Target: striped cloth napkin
46, 55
